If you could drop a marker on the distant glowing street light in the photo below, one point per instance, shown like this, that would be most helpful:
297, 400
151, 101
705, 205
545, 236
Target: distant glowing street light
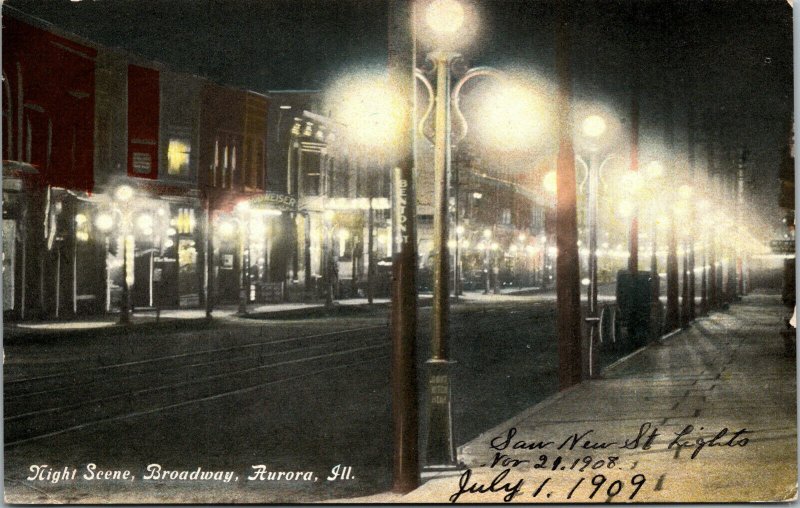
145, 223
631, 182
512, 115
369, 108
654, 170
626, 208
593, 126
549, 182
104, 222
123, 193
685, 191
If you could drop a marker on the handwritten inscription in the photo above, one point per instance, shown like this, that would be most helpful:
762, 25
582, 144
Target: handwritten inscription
645, 439
516, 460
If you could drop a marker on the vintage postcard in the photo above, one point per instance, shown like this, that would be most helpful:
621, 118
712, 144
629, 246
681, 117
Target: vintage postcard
398, 251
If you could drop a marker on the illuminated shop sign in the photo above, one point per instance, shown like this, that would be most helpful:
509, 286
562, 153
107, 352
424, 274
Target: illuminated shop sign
274, 200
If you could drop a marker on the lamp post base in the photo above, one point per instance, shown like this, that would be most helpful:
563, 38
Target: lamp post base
440, 450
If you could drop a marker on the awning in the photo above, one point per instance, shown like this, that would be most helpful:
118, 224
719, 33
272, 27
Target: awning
18, 168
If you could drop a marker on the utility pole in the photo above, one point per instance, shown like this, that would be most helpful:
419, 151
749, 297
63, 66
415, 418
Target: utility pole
208, 279
672, 315
633, 245
405, 410
740, 290
633, 259
712, 237
690, 292
685, 317
568, 308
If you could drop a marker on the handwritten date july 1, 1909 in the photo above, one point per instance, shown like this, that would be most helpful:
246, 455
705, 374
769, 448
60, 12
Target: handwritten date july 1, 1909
647, 437
513, 488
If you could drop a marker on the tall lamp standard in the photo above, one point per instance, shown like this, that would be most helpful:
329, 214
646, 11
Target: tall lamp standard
487, 264
242, 211
703, 207
457, 244
653, 186
445, 18
105, 222
593, 128
123, 194
684, 211
441, 452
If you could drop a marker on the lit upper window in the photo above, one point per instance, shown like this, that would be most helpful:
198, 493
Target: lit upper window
178, 157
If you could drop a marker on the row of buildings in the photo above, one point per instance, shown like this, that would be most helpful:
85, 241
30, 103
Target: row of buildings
117, 169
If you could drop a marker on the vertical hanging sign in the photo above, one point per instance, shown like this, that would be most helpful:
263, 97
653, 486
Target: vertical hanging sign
402, 209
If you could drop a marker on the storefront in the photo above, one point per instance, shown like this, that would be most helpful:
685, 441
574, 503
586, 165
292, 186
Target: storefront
333, 245
16, 193
252, 258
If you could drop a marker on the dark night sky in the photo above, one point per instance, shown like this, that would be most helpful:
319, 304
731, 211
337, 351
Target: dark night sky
732, 60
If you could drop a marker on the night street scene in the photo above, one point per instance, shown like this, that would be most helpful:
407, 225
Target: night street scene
398, 251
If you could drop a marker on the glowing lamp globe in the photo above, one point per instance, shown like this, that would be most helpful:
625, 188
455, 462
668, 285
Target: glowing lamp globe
593, 126
654, 169
104, 222
445, 16
123, 193
549, 182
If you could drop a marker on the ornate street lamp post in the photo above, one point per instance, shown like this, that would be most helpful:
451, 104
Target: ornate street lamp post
242, 210
105, 222
441, 448
593, 128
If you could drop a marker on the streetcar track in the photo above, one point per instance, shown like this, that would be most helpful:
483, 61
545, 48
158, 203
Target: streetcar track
189, 366
52, 416
220, 395
94, 382
137, 393
194, 353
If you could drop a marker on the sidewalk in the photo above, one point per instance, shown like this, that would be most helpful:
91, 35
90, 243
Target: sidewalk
230, 312
723, 389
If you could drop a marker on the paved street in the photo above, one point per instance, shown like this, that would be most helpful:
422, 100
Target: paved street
307, 395
291, 395
706, 415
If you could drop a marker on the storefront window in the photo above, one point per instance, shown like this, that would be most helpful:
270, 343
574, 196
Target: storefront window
188, 285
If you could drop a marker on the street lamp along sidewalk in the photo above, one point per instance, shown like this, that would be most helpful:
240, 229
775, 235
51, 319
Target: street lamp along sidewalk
594, 133
119, 206
447, 20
